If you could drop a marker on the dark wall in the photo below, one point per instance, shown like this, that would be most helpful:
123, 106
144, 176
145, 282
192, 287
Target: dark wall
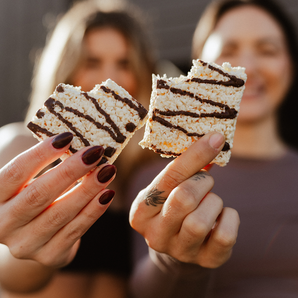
23, 27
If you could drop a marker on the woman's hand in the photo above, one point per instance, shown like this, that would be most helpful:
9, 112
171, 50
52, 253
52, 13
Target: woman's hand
43, 219
178, 215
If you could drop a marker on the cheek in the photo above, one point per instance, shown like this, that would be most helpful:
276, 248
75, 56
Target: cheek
85, 79
279, 80
128, 81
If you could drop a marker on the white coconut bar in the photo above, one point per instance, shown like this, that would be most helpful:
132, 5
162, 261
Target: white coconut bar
107, 116
184, 109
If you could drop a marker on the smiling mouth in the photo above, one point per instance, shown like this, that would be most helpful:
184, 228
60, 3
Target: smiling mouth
252, 92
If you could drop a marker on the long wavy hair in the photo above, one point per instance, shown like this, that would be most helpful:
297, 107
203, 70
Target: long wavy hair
63, 53
287, 122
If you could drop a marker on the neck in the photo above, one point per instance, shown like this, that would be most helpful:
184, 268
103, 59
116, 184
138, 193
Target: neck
258, 140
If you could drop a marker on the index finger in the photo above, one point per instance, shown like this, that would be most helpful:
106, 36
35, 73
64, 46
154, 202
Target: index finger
196, 157
28, 164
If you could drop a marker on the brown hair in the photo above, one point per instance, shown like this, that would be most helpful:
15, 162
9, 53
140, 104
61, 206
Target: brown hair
63, 52
208, 22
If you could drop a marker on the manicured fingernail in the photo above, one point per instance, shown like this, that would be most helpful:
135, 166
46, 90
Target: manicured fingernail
92, 155
106, 197
62, 140
106, 173
216, 140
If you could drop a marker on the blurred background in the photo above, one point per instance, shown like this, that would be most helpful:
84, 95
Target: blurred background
25, 24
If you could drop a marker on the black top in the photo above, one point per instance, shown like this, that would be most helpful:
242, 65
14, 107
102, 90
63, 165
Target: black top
106, 246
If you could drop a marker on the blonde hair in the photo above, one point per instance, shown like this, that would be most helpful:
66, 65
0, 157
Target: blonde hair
63, 50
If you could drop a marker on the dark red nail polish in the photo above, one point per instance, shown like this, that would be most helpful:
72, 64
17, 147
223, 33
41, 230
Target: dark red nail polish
92, 155
106, 197
62, 140
106, 173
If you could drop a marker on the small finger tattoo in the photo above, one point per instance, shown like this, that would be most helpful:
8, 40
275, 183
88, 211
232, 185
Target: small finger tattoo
200, 175
155, 198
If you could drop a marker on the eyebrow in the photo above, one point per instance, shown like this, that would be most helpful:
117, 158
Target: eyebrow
261, 41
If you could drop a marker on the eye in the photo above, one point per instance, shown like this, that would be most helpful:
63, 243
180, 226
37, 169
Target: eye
92, 63
229, 50
269, 47
268, 50
124, 64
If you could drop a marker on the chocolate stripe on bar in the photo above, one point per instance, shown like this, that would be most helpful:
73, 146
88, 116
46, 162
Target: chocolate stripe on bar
222, 115
232, 82
50, 105
39, 130
166, 123
227, 114
110, 151
118, 136
140, 109
164, 152
97, 124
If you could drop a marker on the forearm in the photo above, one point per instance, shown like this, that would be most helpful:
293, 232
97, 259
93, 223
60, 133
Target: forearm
159, 275
22, 276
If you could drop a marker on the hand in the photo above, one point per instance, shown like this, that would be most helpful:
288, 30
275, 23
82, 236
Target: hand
178, 215
43, 219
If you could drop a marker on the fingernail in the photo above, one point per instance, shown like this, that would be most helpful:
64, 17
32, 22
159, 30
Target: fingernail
92, 155
62, 140
216, 140
106, 197
106, 173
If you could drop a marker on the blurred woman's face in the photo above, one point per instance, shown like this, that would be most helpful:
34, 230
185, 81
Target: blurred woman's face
106, 56
249, 37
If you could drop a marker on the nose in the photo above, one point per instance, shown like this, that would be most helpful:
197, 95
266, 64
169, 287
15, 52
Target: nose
248, 60
109, 72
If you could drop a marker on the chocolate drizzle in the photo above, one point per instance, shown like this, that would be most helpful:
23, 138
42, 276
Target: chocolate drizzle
112, 129
50, 105
130, 127
171, 153
39, 131
140, 109
39, 114
60, 88
109, 151
168, 124
232, 82
228, 113
116, 135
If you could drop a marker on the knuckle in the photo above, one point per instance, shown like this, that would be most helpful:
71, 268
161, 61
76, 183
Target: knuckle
156, 242
185, 197
216, 201
66, 172
233, 214
57, 218
40, 155
19, 251
13, 172
34, 196
47, 259
224, 240
75, 233
197, 229
174, 178
87, 193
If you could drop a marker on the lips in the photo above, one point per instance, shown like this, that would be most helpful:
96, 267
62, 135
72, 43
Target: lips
253, 91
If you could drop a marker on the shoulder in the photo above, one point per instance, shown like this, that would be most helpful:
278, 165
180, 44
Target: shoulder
15, 138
